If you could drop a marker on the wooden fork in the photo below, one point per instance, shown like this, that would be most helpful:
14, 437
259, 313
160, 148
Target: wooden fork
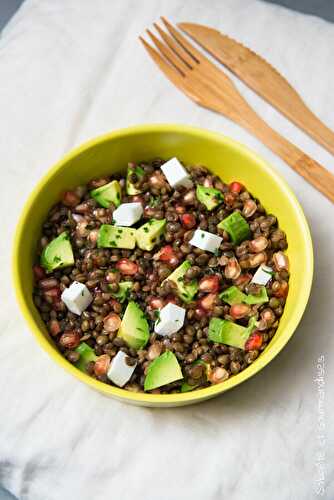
211, 88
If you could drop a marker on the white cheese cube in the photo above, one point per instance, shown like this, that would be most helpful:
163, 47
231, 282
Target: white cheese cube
206, 241
77, 297
176, 174
119, 371
171, 319
127, 214
262, 275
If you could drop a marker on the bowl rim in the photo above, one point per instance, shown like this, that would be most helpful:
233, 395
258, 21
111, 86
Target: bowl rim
177, 398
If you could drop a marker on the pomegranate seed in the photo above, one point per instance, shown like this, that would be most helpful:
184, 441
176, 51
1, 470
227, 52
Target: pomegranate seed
236, 187
282, 292
200, 313
166, 253
257, 259
157, 180
156, 303
137, 198
102, 365
39, 272
112, 322
180, 209
189, 197
70, 199
208, 182
48, 283
53, 294
209, 284
218, 375
243, 279
281, 261
188, 221
54, 327
268, 316
96, 183
239, 311
208, 301
83, 208
232, 269
70, 339
126, 266
249, 208
254, 341
258, 245
154, 351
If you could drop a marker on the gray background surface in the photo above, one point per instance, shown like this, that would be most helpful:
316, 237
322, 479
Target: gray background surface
321, 8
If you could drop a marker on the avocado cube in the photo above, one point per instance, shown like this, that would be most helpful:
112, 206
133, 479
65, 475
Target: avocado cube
119, 371
77, 297
206, 241
107, 194
209, 197
226, 332
233, 296
127, 214
116, 237
87, 354
163, 370
186, 291
176, 174
139, 173
150, 234
134, 327
236, 226
58, 253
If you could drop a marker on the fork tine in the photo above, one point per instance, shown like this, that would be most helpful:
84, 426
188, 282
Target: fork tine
178, 49
169, 55
166, 68
194, 53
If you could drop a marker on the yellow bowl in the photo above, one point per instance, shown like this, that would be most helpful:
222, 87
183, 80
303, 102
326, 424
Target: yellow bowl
226, 158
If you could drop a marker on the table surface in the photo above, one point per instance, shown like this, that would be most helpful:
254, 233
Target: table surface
70, 71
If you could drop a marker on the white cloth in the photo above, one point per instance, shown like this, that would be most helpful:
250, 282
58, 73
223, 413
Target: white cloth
73, 69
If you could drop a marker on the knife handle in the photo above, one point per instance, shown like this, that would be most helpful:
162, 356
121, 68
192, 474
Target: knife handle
303, 164
315, 128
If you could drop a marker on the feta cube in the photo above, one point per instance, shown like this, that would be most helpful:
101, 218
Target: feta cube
77, 297
262, 275
119, 371
127, 214
171, 319
206, 241
176, 174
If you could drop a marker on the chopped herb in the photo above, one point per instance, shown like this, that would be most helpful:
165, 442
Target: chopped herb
82, 293
113, 222
180, 278
150, 222
56, 259
146, 229
202, 235
118, 196
120, 231
216, 252
113, 243
118, 236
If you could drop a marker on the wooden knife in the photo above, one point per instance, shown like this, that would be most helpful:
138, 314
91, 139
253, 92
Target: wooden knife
265, 80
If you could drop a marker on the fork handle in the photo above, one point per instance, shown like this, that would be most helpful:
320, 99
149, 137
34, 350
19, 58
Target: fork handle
303, 164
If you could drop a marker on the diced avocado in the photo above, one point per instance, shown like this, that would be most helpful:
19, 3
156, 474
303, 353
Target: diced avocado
260, 298
123, 291
233, 296
223, 331
116, 237
58, 253
150, 234
185, 387
236, 226
87, 354
134, 327
163, 370
186, 291
210, 197
130, 186
107, 194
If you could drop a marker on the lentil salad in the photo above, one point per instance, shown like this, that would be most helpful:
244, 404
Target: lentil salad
229, 317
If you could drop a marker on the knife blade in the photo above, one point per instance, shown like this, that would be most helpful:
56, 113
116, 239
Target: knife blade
263, 78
